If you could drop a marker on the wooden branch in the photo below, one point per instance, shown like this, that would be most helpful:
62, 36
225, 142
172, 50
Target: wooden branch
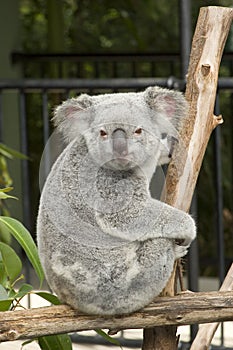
207, 47
208, 43
182, 309
206, 332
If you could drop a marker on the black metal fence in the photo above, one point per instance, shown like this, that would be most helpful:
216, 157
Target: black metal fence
212, 207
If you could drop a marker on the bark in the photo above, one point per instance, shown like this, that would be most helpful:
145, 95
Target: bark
207, 47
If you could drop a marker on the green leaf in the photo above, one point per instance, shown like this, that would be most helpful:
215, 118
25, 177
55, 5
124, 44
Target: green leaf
3, 194
3, 275
5, 300
5, 177
5, 304
23, 290
12, 294
10, 152
108, 338
5, 235
6, 189
6, 196
27, 342
55, 342
22, 235
51, 298
11, 262
3, 293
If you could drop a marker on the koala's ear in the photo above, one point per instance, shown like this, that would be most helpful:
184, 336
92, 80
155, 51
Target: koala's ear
170, 108
73, 116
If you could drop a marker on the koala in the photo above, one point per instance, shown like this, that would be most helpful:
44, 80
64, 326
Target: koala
107, 247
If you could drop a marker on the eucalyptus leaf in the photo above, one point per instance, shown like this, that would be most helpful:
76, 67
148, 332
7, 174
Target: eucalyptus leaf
4, 174
23, 290
55, 342
6, 196
5, 154
5, 300
3, 275
22, 235
51, 298
12, 293
10, 152
6, 189
108, 338
5, 304
10, 261
5, 235
3, 293
27, 342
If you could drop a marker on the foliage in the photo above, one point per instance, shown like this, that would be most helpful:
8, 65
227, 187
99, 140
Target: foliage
104, 25
25, 240
6, 153
11, 275
107, 25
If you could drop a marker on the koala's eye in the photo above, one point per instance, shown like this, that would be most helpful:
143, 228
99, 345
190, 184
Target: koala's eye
103, 133
138, 131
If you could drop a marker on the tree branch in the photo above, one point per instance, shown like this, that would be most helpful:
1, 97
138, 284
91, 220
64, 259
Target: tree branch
182, 309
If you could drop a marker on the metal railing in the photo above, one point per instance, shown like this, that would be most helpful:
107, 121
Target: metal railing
104, 65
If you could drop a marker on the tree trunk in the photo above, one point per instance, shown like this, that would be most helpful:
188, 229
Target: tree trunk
167, 336
208, 43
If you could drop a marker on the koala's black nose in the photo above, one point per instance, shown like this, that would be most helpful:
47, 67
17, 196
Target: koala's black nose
119, 143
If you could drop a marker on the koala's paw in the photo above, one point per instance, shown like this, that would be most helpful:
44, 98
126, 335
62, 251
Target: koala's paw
180, 251
187, 232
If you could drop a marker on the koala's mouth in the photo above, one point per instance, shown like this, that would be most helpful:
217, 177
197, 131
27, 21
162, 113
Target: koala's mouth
120, 163
121, 160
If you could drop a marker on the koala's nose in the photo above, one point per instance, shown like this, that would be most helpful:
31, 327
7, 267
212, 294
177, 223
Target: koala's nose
119, 142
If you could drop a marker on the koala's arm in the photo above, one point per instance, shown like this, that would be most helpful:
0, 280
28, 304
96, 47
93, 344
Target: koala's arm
162, 220
155, 220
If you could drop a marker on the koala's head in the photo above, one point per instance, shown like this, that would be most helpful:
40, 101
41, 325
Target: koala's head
122, 130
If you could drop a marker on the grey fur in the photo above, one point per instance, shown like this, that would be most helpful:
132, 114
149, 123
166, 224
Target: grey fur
106, 246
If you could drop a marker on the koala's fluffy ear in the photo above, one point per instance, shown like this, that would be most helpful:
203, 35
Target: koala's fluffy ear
73, 116
170, 108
